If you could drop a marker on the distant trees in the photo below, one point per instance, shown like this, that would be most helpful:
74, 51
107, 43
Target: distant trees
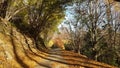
94, 30
55, 43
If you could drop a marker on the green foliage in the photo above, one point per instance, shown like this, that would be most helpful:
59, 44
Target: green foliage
38, 17
40, 14
45, 14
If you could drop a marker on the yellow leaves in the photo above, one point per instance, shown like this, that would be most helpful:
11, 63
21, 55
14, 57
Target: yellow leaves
109, 1
25, 2
117, 7
31, 2
50, 43
114, 4
15, 3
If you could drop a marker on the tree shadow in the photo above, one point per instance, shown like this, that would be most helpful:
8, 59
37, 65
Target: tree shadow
27, 55
20, 61
17, 58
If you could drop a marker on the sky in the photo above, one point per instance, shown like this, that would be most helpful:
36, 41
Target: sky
69, 12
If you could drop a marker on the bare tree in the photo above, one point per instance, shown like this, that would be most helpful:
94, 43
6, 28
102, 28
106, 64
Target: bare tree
98, 23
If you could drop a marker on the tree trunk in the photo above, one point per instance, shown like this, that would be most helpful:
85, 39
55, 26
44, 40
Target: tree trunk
3, 8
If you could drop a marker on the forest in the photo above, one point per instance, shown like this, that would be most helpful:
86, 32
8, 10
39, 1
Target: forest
73, 29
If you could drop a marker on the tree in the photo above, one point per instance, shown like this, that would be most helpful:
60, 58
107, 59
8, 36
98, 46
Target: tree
35, 16
97, 23
44, 14
3, 8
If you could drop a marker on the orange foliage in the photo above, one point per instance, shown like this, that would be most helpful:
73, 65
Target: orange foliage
59, 43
